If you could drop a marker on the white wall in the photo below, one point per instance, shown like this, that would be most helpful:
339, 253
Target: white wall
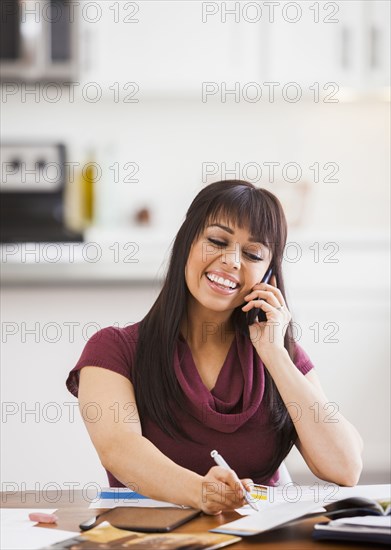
170, 140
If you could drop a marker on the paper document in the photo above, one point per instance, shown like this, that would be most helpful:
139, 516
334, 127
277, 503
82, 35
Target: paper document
17, 532
18, 518
291, 501
317, 493
366, 521
266, 519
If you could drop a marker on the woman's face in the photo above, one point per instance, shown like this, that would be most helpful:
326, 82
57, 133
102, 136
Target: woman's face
224, 264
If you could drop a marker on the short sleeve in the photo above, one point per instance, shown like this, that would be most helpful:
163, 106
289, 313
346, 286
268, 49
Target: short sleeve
302, 360
110, 348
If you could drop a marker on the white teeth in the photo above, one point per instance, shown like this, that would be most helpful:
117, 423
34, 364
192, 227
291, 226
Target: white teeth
221, 281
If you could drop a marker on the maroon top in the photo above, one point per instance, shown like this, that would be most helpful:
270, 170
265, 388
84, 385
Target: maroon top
232, 417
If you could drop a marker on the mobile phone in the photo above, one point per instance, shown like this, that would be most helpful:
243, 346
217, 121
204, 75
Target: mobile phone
255, 311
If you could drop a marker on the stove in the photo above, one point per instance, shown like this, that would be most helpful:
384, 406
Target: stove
33, 177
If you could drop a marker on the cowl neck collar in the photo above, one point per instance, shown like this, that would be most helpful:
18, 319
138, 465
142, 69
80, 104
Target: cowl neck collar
238, 391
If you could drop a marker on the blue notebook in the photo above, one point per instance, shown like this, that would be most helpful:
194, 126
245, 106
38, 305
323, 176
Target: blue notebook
118, 493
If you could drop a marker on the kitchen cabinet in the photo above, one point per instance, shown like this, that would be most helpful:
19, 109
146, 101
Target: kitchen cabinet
314, 44
346, 43
378, 16
305, 49
137, 49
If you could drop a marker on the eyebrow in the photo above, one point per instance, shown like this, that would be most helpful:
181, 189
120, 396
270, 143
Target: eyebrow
231, 231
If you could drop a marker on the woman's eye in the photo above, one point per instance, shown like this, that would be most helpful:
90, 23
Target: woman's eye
251, 256
254, 257
217, 243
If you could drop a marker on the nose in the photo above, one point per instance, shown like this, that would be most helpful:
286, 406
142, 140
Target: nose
231, 256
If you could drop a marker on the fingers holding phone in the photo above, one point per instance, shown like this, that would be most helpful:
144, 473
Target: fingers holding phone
255, 312
266, 304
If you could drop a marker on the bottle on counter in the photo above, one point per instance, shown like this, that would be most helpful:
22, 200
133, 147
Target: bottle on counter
88, 179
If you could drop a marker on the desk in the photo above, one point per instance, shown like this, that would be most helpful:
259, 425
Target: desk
73, 509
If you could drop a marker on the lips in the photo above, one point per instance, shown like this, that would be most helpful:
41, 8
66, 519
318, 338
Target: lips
221, 282
222, 275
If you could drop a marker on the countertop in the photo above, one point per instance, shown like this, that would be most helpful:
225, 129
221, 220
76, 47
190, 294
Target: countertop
141, 256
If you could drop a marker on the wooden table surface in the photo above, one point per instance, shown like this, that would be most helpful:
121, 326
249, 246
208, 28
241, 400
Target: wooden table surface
73, 508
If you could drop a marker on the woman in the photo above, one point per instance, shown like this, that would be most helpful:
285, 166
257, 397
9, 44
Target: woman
192, 376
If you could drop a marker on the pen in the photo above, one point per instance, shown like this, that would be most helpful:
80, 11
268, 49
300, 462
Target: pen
221, 462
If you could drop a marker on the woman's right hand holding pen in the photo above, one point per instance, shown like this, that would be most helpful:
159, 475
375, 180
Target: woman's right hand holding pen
221, 489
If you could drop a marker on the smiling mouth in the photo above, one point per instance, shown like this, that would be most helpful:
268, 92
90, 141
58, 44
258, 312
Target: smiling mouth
221, 282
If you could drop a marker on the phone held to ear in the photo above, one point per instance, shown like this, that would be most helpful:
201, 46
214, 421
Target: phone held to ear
256, 312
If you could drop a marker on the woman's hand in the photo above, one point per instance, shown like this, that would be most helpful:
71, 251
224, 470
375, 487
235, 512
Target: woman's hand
268, 336
222, 490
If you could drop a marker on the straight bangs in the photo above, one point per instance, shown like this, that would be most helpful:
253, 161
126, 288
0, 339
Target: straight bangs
255, 210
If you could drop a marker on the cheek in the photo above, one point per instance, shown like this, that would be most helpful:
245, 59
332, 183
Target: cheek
192, 268
196, 261
189, 270
256, 277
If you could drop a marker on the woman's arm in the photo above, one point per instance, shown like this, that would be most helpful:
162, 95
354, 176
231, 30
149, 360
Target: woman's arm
108, 407
329, 444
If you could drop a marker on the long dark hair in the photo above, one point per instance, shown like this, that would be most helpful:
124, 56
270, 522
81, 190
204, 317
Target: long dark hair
157, 391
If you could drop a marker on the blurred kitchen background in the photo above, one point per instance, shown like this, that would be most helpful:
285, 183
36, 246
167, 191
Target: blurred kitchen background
114, 115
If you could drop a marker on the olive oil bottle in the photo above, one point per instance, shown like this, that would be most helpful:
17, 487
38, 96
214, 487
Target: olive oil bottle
87, 189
